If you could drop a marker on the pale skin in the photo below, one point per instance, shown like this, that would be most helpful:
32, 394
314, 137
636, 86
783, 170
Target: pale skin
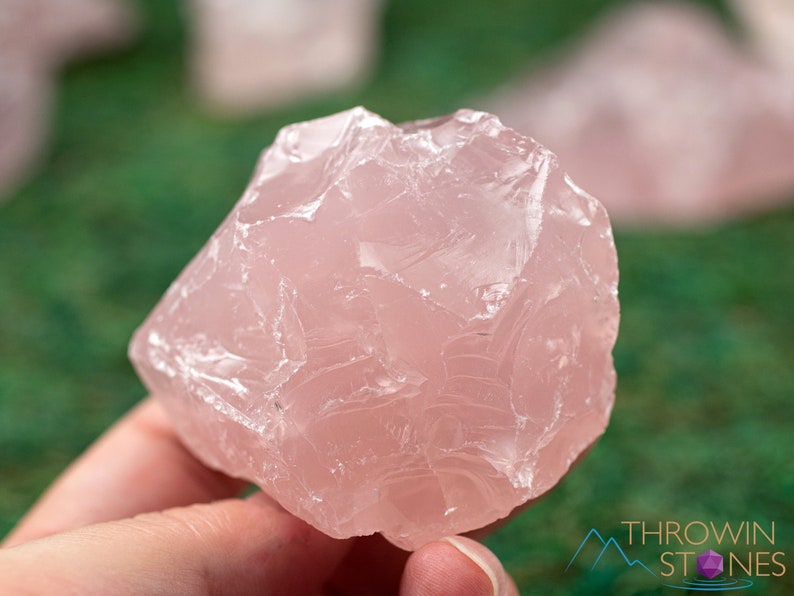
138, 514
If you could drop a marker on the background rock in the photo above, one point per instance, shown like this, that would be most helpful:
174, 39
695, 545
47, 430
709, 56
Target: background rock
770, 26
662, 116
253, 54
36, 37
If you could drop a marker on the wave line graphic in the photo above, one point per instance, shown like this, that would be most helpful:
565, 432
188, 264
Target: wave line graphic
711, 585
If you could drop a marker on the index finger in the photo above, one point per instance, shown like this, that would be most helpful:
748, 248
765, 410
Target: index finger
137, 466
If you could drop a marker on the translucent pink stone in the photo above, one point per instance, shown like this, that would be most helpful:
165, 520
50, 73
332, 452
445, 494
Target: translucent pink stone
665, 117
398, 329
36, 38
247, 55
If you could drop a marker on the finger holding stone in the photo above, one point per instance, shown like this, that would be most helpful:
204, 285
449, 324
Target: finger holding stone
232, 546
137, 466
456, 565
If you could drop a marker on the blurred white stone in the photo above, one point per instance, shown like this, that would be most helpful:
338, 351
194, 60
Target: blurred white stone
770, 25
661, 115
254, 54
36, 37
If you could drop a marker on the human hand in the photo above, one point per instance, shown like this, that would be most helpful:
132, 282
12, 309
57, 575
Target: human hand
138, 514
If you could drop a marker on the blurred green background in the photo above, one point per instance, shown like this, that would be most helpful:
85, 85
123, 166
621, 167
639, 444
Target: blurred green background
138, 176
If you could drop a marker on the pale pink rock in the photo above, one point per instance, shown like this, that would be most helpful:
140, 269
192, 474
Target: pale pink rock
253, 54
398, 329
663, 117
36, 37
25, 99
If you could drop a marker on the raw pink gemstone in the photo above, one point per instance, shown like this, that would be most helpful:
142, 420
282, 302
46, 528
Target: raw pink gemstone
398, 329
248, 55
36, 38
664, 117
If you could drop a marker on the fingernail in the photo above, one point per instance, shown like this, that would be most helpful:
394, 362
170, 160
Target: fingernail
484, 559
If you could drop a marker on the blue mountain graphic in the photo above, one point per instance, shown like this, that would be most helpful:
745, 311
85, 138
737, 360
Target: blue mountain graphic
606, 544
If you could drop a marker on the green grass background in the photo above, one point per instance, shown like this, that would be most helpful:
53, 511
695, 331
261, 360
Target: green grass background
138, 176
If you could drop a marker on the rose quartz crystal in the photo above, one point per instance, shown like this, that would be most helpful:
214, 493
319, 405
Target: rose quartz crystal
665, 117
249, 55
36, 38
398, 329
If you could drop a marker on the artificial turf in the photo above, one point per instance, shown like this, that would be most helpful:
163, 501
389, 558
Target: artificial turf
138, 175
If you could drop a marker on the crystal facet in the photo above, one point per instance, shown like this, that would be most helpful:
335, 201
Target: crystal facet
398, 329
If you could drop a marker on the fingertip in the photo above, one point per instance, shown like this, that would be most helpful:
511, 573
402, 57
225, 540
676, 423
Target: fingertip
455, 566
483, 558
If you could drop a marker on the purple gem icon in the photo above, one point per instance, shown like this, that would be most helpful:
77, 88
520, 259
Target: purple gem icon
709, 564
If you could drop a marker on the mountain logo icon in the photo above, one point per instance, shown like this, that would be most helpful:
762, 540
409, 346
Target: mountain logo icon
608, 546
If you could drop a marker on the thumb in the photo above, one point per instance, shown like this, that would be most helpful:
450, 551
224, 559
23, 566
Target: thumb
231, 547
457, 566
